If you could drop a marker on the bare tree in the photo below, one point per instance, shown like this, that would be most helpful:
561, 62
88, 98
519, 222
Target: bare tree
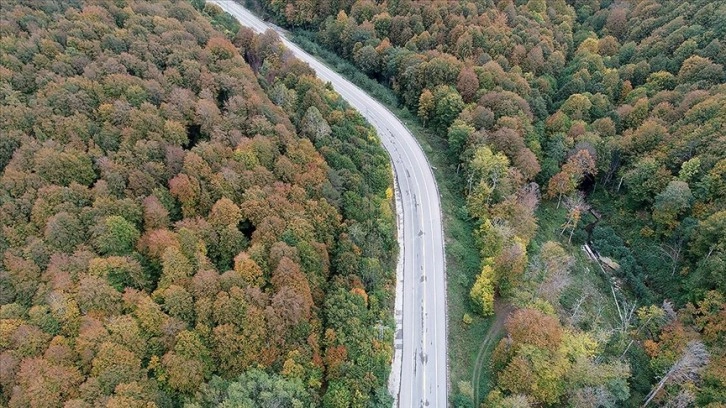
670, 313
592, 397
575, 205
529, 196
673, 253
556, 265
667, 315
687, 368
683, 399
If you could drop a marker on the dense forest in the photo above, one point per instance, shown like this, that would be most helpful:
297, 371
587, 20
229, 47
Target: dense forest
611, 114
189, 217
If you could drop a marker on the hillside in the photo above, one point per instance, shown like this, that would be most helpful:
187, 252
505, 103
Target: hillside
551, 109
189, 217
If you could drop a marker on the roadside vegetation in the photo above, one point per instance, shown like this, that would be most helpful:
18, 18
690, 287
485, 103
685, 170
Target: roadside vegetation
462, 259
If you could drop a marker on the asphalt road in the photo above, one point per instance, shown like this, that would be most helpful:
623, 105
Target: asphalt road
421, 290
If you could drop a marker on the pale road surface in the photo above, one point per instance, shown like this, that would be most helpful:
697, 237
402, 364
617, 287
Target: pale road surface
421, 311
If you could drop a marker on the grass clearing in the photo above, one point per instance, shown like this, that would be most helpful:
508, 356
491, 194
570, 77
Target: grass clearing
462, 256
589, 287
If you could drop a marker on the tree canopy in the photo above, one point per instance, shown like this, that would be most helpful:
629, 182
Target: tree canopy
189, 216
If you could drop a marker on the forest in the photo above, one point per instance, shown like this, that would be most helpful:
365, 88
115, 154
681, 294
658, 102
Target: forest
573, 123
189, 217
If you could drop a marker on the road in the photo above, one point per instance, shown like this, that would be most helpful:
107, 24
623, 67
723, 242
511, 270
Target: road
419, 374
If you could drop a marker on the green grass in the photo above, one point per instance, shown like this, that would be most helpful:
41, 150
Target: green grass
462, 257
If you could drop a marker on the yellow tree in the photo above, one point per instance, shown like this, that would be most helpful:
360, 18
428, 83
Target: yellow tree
425, 106
482, 293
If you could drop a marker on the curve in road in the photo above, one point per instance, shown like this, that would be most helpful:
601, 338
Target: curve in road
421, 290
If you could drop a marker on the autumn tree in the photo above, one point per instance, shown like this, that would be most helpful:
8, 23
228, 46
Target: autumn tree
426, 106
482, 293
467, 84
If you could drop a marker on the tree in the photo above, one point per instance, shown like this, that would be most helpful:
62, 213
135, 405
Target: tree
367, 59
556, 266
64, 168
113, 365
645, 138
156, 216
179, 303
188, 191
448, 105
509, 265
560, 184
617, 22
458, 136
671, 202
224, 213
313, 125
221, 48
577, 106
119, 271
337, 396
95, 295
709, 247
187, 366
176, 268
482, 293
257, 388
114, 235
646, 179
575, 206
426, 105
248, 270
580, 164
685, 369
41, 383
64, 231
488, 166
696, 68
531, 365
467, 84
689, 169
133, 395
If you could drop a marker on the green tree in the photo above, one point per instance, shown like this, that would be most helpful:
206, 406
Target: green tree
646, 179
114, 235
64, 231
458, 135
367, 59
255, 388
448, 105
672, 202
64, 168
337, 396
313, 125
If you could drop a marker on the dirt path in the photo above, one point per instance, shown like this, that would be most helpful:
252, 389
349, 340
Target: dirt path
501, 312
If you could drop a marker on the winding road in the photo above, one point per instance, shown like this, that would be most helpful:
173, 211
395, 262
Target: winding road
419, 373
